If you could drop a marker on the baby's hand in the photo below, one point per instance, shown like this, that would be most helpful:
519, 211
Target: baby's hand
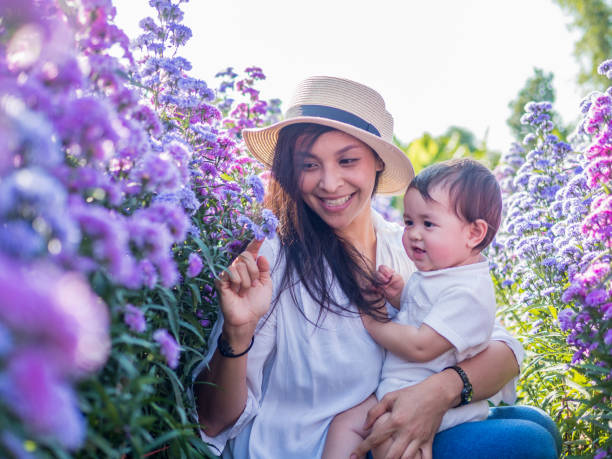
392, 285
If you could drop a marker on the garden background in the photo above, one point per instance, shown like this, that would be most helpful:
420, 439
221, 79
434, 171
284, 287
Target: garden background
125, 189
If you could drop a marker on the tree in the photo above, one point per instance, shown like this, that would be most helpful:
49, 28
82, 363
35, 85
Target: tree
456, 142
537, 88
592, 19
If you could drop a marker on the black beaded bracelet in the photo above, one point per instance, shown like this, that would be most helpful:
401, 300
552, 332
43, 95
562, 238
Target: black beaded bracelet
466, 392
226, 350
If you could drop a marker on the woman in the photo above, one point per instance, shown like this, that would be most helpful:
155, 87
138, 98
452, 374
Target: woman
292, 351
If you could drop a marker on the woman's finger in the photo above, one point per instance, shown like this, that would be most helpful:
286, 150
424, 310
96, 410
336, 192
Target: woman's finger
234, 278
377, 410
251, 265
427, 451
399, 446
243, 272
411, 450
371, 441
253, 247
263, 265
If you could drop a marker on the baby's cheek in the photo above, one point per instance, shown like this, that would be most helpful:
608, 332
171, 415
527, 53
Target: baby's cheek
405, 241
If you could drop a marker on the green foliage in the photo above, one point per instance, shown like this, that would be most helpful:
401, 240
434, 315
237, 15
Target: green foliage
548, 379
537, 88
456, 142
592, 19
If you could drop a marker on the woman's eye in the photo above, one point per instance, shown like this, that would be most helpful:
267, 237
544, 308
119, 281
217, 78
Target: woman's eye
308, 166
346, 161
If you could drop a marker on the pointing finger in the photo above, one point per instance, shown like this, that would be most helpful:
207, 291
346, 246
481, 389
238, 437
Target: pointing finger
254, 247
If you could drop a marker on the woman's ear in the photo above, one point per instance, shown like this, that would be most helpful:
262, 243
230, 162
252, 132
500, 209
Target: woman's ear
478, 231
380, 165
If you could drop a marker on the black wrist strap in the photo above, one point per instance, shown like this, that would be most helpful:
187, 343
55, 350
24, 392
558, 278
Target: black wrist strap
466, 392
226, 350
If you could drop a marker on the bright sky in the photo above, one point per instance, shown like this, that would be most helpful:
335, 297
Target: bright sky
436, 63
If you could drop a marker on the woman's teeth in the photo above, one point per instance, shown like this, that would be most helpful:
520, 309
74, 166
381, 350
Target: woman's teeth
337, 202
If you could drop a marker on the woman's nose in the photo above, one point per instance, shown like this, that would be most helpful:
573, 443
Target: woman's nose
330, 180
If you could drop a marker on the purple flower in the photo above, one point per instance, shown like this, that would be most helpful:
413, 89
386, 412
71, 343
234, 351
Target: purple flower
257, 186
169, 347
258, 232
58, 311
606, 310
605, 67
596, 297
18, 239
194, 265
566, 318
168, 272
35, 392
148, 273
608, 338
164, 212
134, 318
270, 223
158, 172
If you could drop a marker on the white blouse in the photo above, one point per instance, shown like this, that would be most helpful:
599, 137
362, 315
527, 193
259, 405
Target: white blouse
299, 376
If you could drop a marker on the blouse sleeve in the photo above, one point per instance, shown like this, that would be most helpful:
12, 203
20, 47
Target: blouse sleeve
508, 393
262, 351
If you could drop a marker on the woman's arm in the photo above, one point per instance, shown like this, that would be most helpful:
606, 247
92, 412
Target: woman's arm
245, 293
220, 389
416, 411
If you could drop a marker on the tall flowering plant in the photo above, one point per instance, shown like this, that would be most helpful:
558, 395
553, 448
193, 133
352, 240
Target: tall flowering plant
551, 261
124, 192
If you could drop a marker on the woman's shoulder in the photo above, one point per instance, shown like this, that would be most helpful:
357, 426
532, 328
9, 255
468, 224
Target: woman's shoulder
390, 250
270, 248
385, 228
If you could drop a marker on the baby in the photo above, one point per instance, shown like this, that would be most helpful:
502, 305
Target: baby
452, 211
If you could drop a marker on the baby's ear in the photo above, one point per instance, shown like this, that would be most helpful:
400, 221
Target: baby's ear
478, 231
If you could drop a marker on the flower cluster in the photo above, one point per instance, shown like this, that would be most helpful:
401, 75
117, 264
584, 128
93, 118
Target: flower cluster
551, 261
125, 191
535, 178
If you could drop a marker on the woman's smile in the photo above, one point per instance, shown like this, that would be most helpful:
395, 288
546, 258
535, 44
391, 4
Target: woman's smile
337, 204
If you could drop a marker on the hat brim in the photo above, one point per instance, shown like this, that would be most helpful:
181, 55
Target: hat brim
395, 178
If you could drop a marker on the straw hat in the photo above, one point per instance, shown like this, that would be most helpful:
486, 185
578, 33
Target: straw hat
349, 107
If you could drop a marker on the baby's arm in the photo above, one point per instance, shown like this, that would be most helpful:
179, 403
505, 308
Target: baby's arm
420, 344
346, 431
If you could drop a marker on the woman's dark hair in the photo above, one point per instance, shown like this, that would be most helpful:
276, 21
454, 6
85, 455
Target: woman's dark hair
473, 191
310, 247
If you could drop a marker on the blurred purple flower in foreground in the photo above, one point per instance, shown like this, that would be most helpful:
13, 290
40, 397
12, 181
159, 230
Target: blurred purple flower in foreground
169, 347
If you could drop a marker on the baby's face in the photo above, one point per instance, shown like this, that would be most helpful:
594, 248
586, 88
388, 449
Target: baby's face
434, 236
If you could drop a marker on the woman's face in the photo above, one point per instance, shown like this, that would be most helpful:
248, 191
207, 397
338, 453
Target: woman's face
336, 178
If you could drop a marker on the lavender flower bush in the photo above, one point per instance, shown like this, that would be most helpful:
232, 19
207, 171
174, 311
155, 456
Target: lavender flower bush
551, 262
124, 192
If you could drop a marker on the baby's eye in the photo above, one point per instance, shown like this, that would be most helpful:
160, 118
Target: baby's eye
408, 222
428, 224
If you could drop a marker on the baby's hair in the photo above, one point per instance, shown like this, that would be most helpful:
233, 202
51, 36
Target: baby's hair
473, 192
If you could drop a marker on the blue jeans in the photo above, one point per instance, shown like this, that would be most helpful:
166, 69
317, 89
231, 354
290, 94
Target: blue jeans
510, 432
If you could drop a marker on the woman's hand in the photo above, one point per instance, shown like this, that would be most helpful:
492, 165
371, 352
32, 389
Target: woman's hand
414, 415
245, 290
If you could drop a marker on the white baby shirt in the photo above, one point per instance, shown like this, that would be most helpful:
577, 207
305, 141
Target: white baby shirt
459, 304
